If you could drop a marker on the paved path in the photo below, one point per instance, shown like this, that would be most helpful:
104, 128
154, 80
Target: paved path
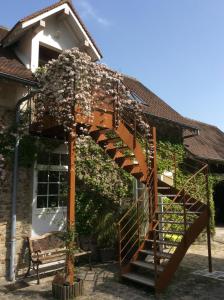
102, 283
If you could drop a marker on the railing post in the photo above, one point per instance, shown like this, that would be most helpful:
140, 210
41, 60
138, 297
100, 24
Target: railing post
208, 225
155, 254
119, 244
135, 129
138, 223
175, 169
185, 215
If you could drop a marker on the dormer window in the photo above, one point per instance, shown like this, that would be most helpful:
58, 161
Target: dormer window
46, 54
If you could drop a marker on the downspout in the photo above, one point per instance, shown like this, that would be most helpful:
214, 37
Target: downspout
14, 195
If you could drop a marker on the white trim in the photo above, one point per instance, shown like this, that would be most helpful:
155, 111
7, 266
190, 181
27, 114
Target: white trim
86, 36
67, 10
43, 16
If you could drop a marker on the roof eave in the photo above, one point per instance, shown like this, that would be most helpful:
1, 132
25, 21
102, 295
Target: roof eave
179, 124
18, 79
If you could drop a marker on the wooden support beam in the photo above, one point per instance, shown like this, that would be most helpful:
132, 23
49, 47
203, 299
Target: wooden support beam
71, 205
154, 166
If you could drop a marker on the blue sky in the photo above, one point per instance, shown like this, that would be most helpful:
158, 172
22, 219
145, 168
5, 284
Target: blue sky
176, 48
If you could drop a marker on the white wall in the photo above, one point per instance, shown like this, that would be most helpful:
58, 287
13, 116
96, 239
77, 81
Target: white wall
57, 34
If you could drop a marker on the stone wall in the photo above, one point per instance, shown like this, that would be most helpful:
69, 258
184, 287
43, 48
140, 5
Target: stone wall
23, 211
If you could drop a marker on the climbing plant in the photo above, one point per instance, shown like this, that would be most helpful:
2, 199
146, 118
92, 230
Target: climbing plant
73, 83
184, 170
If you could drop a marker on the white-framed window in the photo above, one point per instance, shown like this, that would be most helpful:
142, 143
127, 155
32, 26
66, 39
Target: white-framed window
52, 180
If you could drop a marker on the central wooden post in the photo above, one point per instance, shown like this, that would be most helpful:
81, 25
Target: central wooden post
71, 205
154, 165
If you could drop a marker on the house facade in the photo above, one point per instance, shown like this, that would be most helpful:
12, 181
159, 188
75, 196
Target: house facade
28, 45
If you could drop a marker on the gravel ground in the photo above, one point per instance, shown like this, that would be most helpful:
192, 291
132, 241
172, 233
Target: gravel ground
103, 283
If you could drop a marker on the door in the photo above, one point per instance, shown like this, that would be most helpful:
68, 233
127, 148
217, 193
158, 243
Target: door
50, 193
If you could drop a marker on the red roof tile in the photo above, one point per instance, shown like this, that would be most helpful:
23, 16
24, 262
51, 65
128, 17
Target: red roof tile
11, 65
156, 106
209, 144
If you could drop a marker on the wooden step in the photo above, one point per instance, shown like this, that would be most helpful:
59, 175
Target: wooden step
166, 203
175, 203
169, 195
109, 140
147, 265
132, 167
164, 242
122, 159
139, 279
112, 148
94, 131
158, 253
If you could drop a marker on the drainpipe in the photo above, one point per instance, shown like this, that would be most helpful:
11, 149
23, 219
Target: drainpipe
14, 195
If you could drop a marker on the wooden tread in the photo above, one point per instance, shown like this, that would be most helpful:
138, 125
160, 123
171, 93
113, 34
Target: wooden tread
171, 232
177, 212
164, 242
158, 254
146, 265
139, 279
175, 222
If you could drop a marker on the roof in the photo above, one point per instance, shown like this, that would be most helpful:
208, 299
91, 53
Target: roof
46, 9
3, 32
156, 106
209, 144
11, 65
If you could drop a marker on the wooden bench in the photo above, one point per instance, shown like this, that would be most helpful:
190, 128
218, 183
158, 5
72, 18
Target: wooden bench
50, 248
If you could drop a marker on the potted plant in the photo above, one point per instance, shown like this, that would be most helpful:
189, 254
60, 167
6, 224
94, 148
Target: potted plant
106, 232
62, 289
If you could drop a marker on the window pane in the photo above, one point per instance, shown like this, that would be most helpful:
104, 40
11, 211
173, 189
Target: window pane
53, 188
62, 201
43, 158
41, 201
64, 159
63, 190
55, 159
53, 176
64, 177
53, 201
42, 176
42, 189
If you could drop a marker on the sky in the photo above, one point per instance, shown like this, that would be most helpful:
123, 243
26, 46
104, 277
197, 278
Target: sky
175, 48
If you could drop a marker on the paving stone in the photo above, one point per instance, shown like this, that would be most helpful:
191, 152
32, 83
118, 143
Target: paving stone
102, 283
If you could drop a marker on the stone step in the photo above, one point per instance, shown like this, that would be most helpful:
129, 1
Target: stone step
139, 279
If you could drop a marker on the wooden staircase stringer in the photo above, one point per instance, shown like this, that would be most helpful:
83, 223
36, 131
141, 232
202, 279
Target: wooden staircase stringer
191, 234
105, 120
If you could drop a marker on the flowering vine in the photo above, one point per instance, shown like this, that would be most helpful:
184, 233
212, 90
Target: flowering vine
72, 81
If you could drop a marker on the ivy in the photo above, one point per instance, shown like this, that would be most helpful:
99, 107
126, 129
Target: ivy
185, 168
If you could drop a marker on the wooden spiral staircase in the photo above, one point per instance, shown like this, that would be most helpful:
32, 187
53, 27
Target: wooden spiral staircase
154, 234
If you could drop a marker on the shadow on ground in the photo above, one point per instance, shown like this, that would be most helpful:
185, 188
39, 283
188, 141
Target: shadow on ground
103, 283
